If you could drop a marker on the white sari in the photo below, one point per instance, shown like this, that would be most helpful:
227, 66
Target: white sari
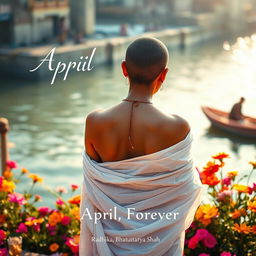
154, 185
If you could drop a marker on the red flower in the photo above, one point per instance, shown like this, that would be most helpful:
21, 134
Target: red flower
220, 156
211, 168
193, 242
43, 210
73, 243
209, 241
2, 235
65, 220
74, 187
11, 164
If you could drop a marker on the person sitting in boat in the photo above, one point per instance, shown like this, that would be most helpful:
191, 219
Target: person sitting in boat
236, 111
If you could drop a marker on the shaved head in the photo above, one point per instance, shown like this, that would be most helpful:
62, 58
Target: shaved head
146, 58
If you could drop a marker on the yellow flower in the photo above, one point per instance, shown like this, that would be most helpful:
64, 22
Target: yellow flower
232, 174
55, 218
24, 171
54, 247
241, 188
253, 164
35, 178
205, 213
252, 206
34, 221
243, 228
75, 212
232, 203
7, 186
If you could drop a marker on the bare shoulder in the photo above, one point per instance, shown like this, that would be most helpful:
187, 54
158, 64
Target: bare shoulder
177, 127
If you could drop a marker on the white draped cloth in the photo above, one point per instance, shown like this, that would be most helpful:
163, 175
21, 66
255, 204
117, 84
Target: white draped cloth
164, 185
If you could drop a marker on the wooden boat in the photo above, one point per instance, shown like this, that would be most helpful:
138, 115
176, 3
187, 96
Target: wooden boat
220, 119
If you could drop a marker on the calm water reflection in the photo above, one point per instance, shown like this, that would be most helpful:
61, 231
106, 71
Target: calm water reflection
47, 122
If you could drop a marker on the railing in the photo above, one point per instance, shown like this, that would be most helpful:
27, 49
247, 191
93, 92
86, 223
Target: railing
44, 4
4, 128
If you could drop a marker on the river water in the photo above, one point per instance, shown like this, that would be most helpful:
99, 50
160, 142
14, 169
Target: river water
47, 122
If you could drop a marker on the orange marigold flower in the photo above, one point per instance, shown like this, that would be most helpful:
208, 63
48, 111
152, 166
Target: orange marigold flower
232, 174
24, 171
2, 218
7, 186
232, 203
237, 213
55, 218
252, 206
210, 180
253, 164
54, 247
211, 168
242, 228
75, 200
241, 188
253, 229
205, 213
32, 222
220, 156
35, 178
7, 174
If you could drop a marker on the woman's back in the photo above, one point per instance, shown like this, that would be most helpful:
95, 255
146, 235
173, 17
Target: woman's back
149, 130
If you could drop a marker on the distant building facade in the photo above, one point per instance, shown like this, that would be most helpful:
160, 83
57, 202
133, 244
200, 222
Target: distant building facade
33, 21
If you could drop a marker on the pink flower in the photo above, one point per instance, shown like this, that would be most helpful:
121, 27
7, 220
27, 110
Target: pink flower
252, 188
61, 190
224, 194
2, 235
52, 229
226, 181
193, 242
225, 254
37, 198
204, 254
71, 243
201, 233
3, 252
59, 201
11, 164
209, 241
74, 187
22, 228
17, 198
1, 181
65, 220
43, 210
36, 227
30, 218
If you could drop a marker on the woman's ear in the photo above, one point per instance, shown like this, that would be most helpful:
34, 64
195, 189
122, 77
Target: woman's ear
163, 74
124, 68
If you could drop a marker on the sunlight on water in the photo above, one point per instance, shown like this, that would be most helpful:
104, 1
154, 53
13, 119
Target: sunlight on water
244, 53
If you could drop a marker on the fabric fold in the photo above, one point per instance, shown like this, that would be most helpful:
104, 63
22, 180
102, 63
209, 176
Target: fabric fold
139, 206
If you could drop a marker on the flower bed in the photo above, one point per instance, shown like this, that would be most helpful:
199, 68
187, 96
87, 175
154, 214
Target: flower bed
226, 226
43, 230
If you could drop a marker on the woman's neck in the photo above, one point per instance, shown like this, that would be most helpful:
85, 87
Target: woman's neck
140, 93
